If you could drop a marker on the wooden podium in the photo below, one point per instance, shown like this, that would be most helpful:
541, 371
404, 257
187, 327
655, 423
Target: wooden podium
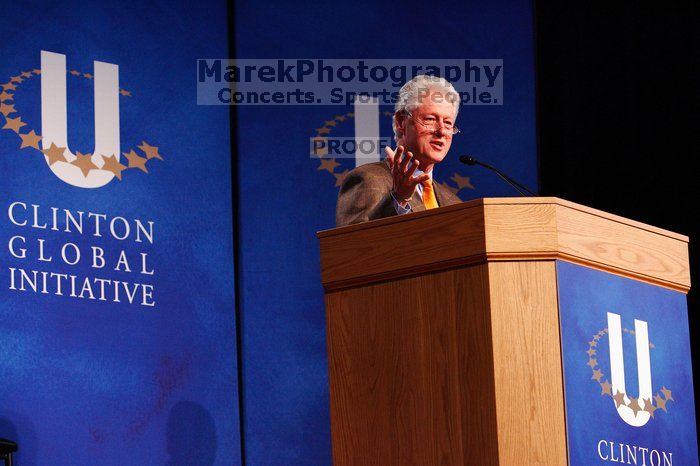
443, 326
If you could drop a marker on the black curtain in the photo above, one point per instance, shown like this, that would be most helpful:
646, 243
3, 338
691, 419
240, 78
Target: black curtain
618, 115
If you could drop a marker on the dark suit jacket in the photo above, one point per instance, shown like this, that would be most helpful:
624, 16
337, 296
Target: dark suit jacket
366, 195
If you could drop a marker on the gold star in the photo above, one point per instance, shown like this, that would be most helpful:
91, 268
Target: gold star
75, 73
328, 164
87, 75
619, 399
36, 71
606, 388
651, 345
626, 330
388, 113
649, 407
8, 86
462, 181
330, 123
339, 177
54, 154
448, 187
113, 165
340, 117
591, 352
150, 151
667, 393
6, 96
660, 402
320, 147
592, 362
135, 161
597, 375
634, 405
323, 130
26, 74
631, 332
14, 124
31, 139
84, 162
596, 337
125, 93
6, 109
350, 115
593, 343
16, 79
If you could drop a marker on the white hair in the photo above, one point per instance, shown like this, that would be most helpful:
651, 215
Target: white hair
412, 93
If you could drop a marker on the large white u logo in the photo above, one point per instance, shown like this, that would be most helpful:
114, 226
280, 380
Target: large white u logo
634, 417
54, 119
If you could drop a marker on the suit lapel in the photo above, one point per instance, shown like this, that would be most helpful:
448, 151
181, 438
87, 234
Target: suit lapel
416, 202
438, 194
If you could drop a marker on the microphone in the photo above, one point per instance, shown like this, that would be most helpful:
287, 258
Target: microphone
469, 160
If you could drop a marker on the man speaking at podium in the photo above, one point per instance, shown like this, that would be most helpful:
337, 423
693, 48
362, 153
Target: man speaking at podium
424, 124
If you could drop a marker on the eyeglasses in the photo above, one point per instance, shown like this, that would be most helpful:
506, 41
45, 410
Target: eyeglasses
432, 123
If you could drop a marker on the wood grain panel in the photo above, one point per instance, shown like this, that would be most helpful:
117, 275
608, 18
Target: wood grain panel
527, 361
443, 331
415, 242
502, 229
520, 228
411, 371
622, 246
581, 208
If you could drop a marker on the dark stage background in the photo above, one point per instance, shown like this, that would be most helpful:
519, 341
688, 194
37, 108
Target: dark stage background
618, 111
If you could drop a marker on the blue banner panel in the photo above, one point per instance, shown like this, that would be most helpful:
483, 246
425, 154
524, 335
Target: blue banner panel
117, 328
627, 369
288, 189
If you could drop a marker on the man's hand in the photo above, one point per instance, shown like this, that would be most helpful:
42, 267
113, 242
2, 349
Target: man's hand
402, 170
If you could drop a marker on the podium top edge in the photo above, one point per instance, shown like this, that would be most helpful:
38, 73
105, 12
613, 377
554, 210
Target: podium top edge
476, 203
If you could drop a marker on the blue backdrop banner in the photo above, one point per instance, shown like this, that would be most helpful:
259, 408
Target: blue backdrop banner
628, 376
117, 328
288, 189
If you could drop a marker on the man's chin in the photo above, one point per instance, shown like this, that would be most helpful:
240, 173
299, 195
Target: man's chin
436, 156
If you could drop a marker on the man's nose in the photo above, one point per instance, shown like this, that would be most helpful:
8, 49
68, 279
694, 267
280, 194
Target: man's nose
442, 131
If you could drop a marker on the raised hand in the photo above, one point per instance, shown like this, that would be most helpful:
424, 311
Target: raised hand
402, 169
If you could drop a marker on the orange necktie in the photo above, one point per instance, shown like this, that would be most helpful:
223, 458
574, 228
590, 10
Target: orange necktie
429, 195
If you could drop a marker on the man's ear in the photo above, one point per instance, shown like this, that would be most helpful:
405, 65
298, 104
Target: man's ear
400, 119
